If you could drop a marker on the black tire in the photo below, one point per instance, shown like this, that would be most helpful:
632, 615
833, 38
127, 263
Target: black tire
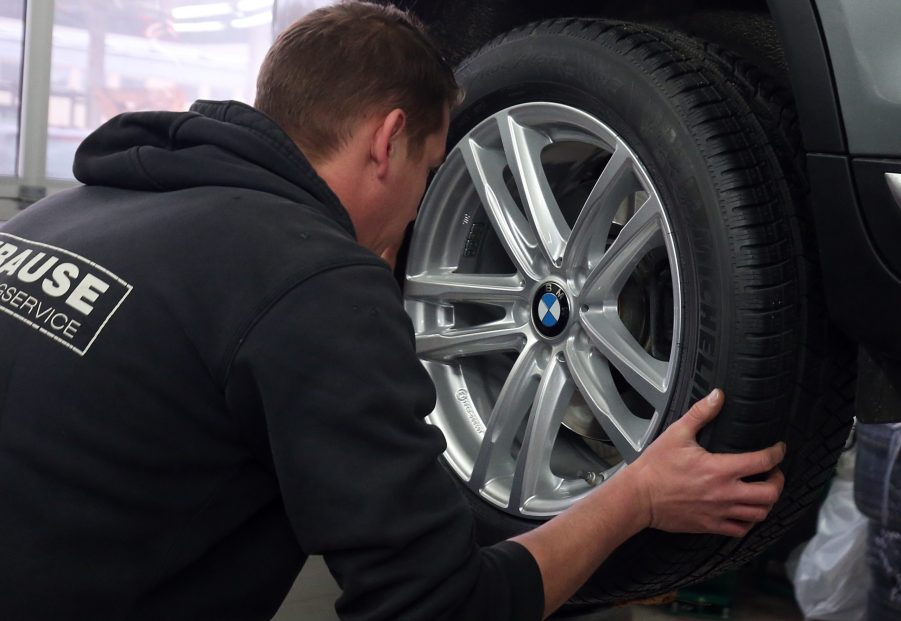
720, 143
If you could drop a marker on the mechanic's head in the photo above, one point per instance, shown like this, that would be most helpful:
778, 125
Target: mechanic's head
366, 96
343, 63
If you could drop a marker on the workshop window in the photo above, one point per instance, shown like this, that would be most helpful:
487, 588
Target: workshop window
113, 56
12, 29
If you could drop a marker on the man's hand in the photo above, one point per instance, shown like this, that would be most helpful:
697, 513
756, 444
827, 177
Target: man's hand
675, 485
690, 490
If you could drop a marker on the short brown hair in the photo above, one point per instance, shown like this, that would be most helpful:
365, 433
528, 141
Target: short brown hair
339, 64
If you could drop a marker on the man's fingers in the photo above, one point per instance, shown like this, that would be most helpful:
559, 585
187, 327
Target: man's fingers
777, 478
761, 493
733, 528
757, 462
702, 412
748, 513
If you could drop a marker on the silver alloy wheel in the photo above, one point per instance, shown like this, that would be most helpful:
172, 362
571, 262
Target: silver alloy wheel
542, 398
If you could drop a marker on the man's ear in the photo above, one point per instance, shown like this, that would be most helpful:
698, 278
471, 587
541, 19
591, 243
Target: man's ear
385, 140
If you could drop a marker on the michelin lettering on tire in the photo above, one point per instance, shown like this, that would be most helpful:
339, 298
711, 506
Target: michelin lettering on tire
62, 295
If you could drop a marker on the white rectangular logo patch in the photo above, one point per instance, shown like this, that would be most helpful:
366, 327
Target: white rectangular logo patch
59, 293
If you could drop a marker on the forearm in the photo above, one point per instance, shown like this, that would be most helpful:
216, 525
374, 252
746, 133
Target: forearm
570, 547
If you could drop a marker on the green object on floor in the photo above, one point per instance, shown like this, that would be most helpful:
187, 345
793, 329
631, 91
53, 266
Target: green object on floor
710, 600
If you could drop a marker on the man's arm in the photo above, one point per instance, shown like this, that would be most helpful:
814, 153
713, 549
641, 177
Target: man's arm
675, 486
331, 376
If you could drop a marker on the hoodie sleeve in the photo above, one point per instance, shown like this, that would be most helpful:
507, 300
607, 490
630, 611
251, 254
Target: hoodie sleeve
333, 370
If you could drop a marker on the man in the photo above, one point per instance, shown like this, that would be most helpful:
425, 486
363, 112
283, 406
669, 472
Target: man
207, 373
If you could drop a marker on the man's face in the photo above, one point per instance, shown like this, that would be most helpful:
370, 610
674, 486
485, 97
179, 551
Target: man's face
407, 184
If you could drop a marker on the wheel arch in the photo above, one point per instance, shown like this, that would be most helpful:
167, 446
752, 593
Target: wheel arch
782, 37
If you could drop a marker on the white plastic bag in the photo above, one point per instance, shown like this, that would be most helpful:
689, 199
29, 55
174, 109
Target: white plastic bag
831, 578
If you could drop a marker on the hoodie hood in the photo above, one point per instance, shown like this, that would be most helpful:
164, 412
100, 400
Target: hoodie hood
216, 143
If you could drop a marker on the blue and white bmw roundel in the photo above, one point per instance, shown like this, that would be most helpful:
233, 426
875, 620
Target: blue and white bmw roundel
550, 309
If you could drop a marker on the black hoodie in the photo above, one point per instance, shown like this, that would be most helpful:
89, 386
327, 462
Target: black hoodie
204, 379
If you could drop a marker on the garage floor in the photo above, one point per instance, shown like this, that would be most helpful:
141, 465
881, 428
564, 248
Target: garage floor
314, 594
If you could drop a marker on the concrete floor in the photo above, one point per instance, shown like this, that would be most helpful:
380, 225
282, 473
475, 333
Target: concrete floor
314, 594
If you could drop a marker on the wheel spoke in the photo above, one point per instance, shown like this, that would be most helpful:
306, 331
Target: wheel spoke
643, 372
626, 431
498, 290
446, 344
523, 146
640, 234
533, 475
512, 405
486, 168
589, 234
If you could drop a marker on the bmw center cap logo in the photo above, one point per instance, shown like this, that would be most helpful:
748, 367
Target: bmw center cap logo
550, 309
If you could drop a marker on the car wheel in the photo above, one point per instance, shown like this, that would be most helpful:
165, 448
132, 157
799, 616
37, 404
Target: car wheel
617, 229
